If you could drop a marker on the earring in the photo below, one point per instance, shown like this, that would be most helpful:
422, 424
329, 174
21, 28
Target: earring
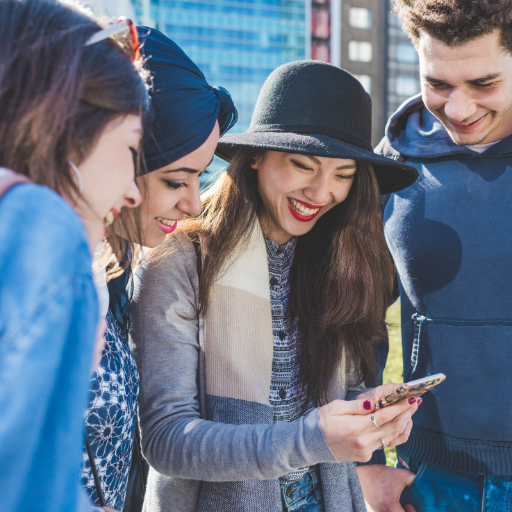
78, 176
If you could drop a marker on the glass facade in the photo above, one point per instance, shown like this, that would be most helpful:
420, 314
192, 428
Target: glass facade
407, 86
402, 65
405, 52
235, 43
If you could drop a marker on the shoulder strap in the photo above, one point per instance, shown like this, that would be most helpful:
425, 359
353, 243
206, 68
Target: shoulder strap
9, 179
97, 481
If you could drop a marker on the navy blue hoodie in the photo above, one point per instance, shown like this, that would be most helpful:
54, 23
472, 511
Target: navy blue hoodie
450, 234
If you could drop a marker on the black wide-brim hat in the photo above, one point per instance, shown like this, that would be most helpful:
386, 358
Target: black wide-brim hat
317, 109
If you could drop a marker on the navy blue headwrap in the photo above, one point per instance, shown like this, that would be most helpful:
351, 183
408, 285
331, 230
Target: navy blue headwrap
185, 107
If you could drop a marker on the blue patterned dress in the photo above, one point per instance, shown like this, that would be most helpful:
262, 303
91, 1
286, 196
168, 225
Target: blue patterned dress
110, 418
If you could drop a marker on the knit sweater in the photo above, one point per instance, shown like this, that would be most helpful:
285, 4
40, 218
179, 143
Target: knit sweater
208, 452
287, 395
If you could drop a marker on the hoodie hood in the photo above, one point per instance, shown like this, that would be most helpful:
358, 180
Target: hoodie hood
413, 131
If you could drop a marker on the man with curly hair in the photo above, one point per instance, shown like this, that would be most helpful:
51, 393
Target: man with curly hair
450, 235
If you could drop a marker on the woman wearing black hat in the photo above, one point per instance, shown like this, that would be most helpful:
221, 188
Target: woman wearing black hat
188, 117
279, 291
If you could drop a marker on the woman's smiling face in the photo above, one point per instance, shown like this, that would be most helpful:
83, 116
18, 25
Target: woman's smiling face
172, 193
296, 190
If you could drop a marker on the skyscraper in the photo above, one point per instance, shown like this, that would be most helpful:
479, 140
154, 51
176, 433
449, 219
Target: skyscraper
236, 43
363, 52
402, 65
375, 50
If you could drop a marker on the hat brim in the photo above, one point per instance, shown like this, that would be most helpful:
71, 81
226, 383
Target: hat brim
391, 175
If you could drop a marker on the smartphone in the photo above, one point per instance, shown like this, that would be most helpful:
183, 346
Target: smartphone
414, 388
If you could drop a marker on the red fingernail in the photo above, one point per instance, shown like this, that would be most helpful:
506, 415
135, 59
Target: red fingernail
412, 400
367, 404
420, 401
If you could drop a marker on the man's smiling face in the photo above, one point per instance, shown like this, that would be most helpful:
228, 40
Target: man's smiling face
468, 87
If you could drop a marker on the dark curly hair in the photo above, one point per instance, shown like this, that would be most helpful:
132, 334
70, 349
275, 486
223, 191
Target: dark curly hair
455, 21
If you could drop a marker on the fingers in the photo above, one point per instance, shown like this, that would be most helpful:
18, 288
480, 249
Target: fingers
409, 508
379, 392
369, 395
397, 430
388, 414
401, 439
354, 407
349, 431
396, 427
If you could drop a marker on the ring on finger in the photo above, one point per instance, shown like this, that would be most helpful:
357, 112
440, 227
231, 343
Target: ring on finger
384, 445
373, 419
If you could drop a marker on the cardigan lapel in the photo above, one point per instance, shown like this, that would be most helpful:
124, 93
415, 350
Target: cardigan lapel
238, 326
238, 352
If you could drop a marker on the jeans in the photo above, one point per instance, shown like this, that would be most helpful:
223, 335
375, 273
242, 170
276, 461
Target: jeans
304, 495
436, 489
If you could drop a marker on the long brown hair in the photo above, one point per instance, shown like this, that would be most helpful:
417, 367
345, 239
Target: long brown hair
341, 276
56, 94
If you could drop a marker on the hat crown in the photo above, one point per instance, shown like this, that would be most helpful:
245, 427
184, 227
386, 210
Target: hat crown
316, 98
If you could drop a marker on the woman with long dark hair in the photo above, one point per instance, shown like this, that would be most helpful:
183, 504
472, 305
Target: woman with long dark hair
279, 292
72, 101
187, 118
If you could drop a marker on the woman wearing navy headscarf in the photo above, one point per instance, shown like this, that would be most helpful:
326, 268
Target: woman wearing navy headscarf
188, 117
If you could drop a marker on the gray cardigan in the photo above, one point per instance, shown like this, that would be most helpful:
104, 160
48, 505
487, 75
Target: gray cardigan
183, 449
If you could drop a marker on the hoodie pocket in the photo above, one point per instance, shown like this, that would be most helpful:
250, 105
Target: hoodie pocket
418, 353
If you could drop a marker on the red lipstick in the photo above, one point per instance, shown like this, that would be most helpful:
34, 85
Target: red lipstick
299, 216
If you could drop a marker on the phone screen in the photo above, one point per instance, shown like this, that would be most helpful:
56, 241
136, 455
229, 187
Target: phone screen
414, 388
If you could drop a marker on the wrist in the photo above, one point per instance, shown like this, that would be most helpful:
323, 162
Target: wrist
322, 421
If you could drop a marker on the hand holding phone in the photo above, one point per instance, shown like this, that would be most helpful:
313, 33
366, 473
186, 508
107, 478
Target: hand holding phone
414, 388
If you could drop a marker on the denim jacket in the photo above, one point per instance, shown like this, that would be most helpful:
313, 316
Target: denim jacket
48, 320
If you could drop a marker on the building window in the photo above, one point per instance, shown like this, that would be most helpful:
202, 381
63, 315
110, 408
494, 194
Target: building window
406, 53
406, 86
320, 24
360, 51
359, 17
320, 51
366, 82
